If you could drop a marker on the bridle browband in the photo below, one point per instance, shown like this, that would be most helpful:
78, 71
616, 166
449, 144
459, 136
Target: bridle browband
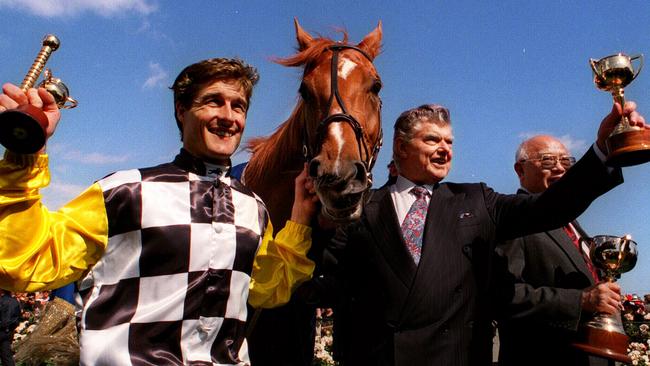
344, 116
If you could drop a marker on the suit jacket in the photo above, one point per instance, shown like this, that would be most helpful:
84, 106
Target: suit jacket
393, 312
550, 274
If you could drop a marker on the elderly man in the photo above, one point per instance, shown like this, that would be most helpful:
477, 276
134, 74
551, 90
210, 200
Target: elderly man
415, 270
165, 255
556, 282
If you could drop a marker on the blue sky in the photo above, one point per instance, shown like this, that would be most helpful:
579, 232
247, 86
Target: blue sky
506, 70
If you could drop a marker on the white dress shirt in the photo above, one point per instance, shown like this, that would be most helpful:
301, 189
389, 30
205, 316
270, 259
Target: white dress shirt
403, 199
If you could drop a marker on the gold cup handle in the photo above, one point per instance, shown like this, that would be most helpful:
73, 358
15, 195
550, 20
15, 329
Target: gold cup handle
592, 63
72, 103
638, 70
625, 242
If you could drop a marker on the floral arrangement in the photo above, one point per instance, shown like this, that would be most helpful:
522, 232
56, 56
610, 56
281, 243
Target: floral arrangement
324, 339
31, 305
636, 320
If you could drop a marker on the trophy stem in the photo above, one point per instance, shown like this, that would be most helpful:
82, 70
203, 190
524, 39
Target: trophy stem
22, 130
624, 125
50, 44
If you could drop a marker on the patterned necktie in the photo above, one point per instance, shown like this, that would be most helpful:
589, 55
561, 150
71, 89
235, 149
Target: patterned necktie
570, 231
413, 224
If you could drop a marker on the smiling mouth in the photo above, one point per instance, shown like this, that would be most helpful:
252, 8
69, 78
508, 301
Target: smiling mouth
221, 133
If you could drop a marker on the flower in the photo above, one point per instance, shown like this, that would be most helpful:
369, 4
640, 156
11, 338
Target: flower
636, 320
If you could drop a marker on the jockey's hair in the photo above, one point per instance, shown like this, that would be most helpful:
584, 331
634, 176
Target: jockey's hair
196, 76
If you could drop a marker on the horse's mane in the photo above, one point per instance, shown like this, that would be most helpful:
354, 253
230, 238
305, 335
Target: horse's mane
280, 148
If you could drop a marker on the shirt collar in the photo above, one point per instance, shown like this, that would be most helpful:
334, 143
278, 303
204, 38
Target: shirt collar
403, 185
189, 162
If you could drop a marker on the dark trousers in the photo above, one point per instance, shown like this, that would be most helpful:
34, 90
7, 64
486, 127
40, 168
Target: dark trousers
6, 355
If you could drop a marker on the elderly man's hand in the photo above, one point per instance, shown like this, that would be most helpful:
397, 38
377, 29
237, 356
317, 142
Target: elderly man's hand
604, 297
613, 118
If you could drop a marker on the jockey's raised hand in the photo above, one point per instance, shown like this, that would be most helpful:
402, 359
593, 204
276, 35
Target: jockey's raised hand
12, 97
304, 200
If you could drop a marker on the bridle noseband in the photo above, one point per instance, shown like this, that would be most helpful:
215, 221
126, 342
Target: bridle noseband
344, 116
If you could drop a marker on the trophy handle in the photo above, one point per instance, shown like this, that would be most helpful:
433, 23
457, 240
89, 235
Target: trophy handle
638, 70
592, 63
72, 101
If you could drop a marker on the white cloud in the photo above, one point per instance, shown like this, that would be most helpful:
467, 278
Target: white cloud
575, 146
105, 8
95, 158
157, 76
59, 193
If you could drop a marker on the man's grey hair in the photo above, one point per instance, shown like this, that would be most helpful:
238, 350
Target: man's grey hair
408, 122
522, 152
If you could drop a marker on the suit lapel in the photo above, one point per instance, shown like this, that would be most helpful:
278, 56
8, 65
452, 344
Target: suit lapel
438, 240
560, 237
385, 229
565, 243
438, 224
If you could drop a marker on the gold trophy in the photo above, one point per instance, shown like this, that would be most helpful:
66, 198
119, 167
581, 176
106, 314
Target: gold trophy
22, 130
603, 335
626, 145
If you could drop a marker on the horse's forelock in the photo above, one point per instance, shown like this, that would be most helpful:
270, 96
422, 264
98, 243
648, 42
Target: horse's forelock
311, 53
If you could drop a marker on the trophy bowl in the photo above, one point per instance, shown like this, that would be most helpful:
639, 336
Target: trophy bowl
604, 335
626, 145
612, 254
615, 71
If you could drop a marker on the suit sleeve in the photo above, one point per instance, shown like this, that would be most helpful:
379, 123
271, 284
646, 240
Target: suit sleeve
40, 249
562, 202
281, 264
556, 307
15, 316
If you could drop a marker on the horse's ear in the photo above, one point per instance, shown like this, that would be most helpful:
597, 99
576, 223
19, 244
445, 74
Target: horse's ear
304, 38
372, 42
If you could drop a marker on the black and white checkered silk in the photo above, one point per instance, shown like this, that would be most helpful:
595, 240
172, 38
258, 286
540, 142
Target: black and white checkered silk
172, 285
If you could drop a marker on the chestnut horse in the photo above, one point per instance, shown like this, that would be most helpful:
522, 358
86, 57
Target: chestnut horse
335, 127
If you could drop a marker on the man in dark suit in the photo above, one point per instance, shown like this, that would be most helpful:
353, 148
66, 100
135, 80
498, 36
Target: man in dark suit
556, 283
9, 319
422, 300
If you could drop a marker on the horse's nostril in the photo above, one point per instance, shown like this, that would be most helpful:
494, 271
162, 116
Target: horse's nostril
361, 172
313, 168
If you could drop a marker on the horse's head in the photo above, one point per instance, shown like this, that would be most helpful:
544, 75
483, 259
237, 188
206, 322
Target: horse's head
342, 113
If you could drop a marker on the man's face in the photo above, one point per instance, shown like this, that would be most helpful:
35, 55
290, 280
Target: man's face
426, 159
214, 124
532, 176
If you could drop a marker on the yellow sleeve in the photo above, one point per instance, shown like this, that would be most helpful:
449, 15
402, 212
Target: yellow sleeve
281, 265
40, 249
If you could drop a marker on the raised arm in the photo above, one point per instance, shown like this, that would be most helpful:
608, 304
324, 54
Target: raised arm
281, 263
40, 249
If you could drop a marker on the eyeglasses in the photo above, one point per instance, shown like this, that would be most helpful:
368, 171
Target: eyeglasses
548, 161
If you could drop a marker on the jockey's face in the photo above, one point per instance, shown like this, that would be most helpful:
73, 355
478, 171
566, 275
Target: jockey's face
214, 124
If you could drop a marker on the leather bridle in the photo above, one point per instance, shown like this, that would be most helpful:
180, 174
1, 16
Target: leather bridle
370, 158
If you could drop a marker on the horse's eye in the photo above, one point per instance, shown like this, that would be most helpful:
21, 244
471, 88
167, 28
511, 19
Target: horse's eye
376, 86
